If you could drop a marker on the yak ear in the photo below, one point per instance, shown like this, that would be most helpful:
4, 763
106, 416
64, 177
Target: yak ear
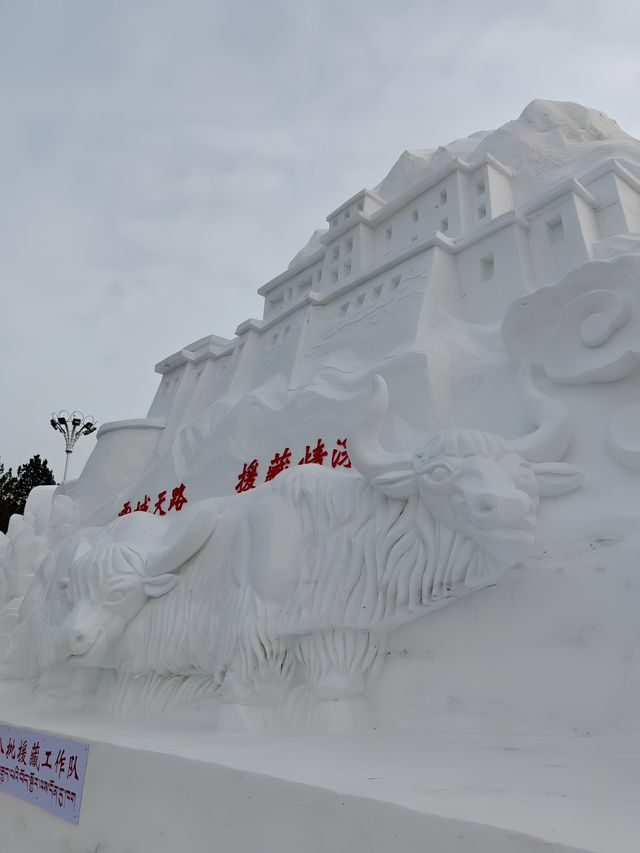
396, 484
159, 585
557, 478
185, 536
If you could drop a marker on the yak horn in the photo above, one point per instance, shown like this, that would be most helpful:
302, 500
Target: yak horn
553, 431
367, 455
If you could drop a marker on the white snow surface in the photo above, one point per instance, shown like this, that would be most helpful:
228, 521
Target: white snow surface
177, 785
548, 141
309, 249
415, 166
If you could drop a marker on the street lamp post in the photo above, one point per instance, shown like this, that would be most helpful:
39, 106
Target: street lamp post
72, 426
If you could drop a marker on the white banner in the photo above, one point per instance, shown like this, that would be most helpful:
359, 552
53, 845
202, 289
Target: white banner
44, 770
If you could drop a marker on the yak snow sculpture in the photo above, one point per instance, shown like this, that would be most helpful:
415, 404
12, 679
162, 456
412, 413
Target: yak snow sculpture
300, 579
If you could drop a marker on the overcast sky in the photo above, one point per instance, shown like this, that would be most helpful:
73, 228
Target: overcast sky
161, 159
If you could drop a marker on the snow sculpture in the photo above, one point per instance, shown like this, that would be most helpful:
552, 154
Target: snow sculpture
583, 329
22, 550
623, 436
290, 587
113, 571
299, 579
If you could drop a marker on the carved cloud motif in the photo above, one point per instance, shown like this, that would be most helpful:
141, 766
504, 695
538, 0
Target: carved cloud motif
585, 328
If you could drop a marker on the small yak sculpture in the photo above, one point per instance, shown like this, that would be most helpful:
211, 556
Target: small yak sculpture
299, 580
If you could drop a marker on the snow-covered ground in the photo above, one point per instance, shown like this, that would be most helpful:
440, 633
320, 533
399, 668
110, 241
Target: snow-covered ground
166, 786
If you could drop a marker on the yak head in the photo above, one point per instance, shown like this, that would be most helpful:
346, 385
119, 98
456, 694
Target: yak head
113, 574
468, 480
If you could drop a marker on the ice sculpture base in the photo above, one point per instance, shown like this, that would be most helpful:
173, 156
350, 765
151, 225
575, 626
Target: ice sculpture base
155, 785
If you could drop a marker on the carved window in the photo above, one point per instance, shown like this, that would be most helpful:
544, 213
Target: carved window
555, 229
487, 267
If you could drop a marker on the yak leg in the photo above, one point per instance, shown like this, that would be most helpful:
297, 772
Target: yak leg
336, 663
261, 668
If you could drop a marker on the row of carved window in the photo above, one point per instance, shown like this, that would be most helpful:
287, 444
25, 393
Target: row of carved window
369, 296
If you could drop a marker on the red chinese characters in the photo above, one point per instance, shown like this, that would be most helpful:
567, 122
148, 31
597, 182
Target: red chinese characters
339, 455
247, 477
61, 762
73, 767
157, 510
64, 764
143, 506
178, 499
34, 758
160, 507
279, 462
313, 455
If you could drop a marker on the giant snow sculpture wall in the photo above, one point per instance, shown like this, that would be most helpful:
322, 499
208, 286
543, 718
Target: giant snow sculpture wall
297, 580
451, 348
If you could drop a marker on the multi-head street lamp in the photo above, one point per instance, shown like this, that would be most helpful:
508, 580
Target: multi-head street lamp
72, 426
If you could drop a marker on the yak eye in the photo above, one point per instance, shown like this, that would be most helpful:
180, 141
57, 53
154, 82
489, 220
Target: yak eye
439, 473
116, 595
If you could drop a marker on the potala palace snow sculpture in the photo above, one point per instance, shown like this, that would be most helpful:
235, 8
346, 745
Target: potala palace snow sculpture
270, 525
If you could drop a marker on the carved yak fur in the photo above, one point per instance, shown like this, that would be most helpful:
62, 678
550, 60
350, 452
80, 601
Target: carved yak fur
301, 578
